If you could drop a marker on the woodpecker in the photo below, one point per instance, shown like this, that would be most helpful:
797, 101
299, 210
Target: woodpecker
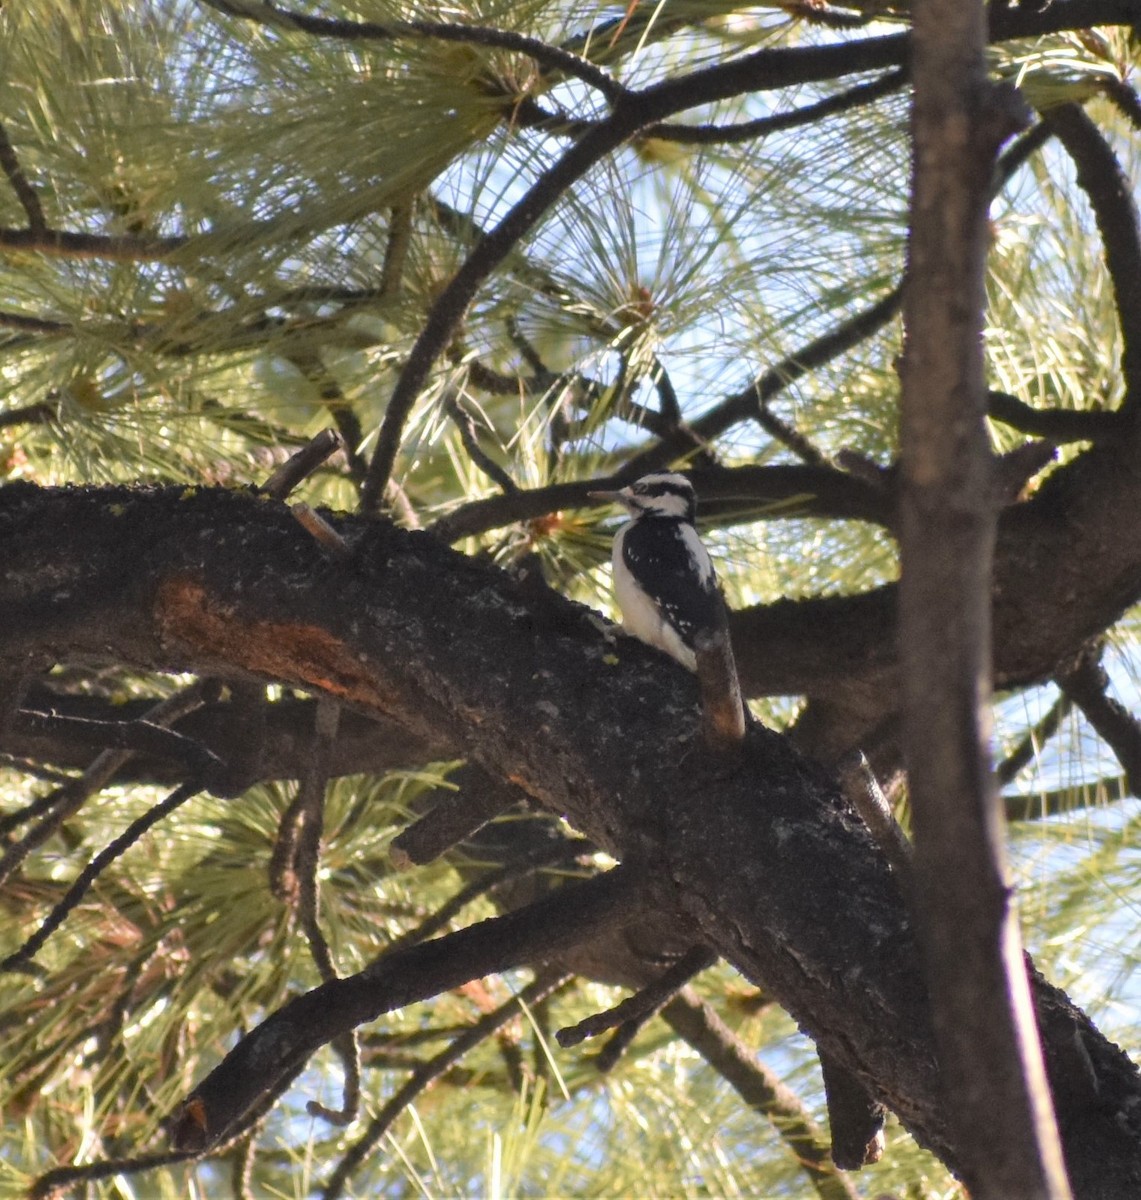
664, 580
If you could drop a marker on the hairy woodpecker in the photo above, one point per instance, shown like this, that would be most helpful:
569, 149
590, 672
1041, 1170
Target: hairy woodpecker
664, 580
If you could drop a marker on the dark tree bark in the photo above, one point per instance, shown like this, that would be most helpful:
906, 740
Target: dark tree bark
757, 856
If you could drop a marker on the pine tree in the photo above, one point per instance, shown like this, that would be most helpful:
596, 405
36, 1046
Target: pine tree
333, 819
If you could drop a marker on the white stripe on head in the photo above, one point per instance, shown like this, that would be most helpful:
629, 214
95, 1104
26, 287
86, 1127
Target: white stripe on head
665, 494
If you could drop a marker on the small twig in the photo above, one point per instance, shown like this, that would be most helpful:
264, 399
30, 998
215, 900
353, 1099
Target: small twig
466, 427
92, 871
1125, 99
30, 414
348, 1050
1035, 738
1036, 806
312, 366
242, 1167
453, 818
126, 247
301, 464
27, 766
452, 303
636, 1010
52, 1184
25, 193
790, 437
543, 986
865, 795
321, 531
822, 492
311, 790
855, 1119
755, 396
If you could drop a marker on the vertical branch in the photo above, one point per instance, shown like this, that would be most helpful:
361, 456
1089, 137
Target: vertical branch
989, 1049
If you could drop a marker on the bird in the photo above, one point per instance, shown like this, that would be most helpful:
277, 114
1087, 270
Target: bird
664, 581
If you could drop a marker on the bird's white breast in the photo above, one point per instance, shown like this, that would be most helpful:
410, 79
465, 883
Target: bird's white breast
641, 617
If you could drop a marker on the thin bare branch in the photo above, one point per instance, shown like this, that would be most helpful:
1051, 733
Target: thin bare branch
752, 399
1037, 806
311, 795
560, 850
863, 790
39, 413
25, 193
125, 247
854, 97
54, 1183
1110, 192
94, 869
643, 1005
321, 531
1031, 744
723, 491
551, 58
455, 816
60, 805
488, 253
760, 1088
142, 735
463, 421
301, 465
30, 324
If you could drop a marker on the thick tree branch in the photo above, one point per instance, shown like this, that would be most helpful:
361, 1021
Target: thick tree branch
455, 650
744, 491
277, 1049
362, 745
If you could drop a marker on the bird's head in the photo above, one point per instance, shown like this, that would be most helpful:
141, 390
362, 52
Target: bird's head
663, 494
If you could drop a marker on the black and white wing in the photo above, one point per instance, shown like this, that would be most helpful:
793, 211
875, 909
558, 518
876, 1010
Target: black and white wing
670, 592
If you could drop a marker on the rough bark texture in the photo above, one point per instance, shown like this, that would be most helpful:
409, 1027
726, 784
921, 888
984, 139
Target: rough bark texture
760, 857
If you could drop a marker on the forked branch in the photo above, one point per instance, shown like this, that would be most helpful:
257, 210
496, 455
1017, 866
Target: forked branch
273, 1053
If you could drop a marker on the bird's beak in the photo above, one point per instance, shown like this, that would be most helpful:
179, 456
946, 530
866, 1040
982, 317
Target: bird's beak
618, 497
